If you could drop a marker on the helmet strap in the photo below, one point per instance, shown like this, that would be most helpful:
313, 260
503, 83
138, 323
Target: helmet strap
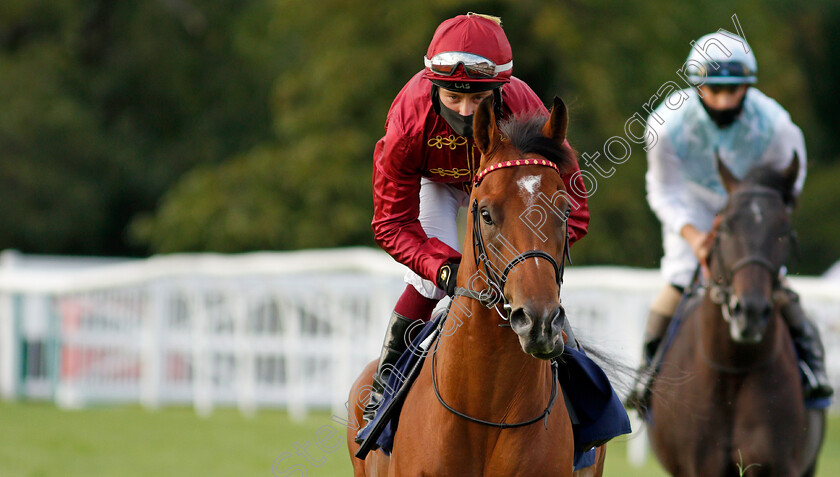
497, 96
436, 98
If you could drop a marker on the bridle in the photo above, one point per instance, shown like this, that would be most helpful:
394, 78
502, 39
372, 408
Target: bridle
496, 282
722, 293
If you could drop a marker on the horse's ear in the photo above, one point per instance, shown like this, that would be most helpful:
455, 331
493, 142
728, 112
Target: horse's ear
556, 126
730, 182
485, 132
791, 172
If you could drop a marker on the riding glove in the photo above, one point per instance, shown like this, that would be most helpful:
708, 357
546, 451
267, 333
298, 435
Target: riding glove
446, 278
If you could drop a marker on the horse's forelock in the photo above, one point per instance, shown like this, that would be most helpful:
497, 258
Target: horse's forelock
525, 134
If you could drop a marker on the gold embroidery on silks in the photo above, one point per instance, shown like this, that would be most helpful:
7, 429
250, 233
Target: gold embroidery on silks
450, 141
456, 173
471, 160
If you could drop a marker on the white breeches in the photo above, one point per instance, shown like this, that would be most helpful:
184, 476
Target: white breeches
439, 205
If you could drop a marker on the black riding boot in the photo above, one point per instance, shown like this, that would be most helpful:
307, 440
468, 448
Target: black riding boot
392, 348
639, 397
809, 347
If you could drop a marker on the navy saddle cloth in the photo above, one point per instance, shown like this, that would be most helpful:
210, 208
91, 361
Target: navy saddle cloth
596, 412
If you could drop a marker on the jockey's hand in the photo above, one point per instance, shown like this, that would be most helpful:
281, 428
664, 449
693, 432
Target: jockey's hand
446, 278
700, 243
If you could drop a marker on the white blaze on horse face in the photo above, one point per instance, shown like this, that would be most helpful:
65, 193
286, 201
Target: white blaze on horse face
756, 210
528, 187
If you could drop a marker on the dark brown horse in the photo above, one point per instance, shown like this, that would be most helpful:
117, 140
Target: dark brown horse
485, 367
728, 400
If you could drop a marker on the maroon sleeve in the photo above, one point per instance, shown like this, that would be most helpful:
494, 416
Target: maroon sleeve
579, 218
396, 206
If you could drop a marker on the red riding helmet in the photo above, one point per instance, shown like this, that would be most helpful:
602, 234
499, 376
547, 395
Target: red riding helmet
469, 53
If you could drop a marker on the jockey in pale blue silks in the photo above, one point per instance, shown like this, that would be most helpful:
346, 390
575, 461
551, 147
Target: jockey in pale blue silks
724, 115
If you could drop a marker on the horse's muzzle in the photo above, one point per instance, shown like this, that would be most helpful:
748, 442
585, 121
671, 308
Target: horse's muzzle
748, 318
540, 332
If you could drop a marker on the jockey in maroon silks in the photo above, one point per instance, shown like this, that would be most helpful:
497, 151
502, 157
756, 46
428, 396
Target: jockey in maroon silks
425, 162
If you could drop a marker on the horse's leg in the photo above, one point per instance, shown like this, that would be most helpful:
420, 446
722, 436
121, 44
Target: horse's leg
376, 463
763, 452
813, 440
597, 469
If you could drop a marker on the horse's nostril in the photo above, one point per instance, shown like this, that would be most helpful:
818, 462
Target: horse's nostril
753, 309
558, 318
520, 319
767, 311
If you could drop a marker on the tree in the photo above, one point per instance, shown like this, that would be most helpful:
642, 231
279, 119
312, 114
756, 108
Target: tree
106, 104
199, 125
347, 60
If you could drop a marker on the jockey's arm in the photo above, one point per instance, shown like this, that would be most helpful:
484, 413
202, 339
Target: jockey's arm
396, 207
578, 223
787, 139
699, 241
667, 187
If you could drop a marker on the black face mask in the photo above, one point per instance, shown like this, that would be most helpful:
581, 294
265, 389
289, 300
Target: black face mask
724, 117
462, 125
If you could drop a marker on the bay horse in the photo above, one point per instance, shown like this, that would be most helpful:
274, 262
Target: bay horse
728, 400
486, 368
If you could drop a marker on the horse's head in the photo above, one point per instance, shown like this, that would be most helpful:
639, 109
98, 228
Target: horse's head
752, 241
519, 208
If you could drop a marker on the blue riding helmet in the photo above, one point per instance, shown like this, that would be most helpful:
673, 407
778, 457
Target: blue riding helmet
719, 58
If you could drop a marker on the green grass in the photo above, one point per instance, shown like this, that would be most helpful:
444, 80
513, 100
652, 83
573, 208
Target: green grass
40, 440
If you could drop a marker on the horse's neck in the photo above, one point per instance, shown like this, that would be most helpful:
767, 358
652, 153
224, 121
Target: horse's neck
717, 345
481, 367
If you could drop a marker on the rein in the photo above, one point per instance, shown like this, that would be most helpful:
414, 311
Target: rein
499, 425
496, 283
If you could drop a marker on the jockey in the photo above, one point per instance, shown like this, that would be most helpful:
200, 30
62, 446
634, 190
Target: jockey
424, 165
724, 114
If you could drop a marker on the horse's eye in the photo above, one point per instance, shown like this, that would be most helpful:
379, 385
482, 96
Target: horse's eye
485, 216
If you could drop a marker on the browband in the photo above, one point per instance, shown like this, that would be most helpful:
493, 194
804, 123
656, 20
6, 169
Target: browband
519, 162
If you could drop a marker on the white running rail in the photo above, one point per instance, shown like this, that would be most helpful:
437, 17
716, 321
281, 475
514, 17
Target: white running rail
261, 329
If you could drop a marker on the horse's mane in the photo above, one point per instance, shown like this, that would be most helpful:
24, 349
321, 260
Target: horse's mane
526, 135
766, 176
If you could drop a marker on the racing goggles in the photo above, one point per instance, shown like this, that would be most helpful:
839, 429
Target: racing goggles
477, 67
